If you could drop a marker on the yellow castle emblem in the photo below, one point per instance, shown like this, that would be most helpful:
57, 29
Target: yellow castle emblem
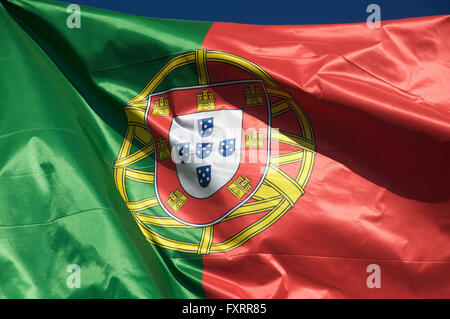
240, 187
253, 96
254, 139
163, 149
176, 200
205, 101
161, 107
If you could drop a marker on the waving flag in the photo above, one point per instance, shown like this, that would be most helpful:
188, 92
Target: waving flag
180, 159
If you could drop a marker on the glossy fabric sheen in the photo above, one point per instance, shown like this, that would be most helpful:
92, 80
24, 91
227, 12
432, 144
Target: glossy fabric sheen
62, 124
378, 102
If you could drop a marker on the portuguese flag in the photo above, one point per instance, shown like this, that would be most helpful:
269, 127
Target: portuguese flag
152, 158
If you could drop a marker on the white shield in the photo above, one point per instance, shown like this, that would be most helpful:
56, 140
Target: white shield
206, 148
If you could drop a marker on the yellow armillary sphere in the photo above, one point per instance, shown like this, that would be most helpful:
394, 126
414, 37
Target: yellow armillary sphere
276, 193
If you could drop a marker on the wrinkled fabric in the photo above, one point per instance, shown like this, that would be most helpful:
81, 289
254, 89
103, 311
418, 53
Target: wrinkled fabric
60, 132
379, 104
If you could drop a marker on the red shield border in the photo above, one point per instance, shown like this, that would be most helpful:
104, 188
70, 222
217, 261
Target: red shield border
169, 192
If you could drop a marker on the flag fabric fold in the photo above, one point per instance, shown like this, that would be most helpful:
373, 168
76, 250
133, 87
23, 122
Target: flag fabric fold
348, 197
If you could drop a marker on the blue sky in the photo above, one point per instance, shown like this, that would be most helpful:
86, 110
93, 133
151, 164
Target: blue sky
274, 12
